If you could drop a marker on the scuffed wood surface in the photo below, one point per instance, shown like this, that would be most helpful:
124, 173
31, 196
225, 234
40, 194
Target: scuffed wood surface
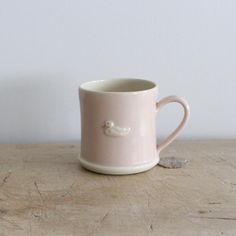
43, 191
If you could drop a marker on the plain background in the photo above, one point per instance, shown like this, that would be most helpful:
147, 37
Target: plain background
48, 47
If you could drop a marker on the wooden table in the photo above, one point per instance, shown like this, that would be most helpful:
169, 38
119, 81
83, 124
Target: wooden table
43, 191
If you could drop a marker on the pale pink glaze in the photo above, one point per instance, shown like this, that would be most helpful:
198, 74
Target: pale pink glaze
135, 110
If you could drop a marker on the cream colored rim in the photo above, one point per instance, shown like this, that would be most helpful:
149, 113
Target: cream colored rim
116, 170
118, 86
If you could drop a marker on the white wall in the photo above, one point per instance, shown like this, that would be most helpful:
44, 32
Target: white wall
48, 47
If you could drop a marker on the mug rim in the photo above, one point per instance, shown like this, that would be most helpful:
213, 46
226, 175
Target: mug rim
152, 85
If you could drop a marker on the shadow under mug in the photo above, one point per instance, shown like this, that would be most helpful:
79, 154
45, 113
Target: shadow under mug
118, 125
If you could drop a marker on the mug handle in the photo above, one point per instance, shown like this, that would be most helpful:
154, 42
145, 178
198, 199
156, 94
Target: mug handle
174, 134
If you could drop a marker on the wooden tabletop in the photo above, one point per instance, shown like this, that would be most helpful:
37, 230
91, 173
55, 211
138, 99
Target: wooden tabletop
44, 191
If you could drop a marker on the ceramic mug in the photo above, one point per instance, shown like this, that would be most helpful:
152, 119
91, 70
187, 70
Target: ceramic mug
118, 125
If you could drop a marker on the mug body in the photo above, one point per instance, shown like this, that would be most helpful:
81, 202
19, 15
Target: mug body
118, 128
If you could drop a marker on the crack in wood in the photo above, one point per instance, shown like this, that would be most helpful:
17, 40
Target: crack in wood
151, 227
97, 227
37, 188
104, 217
5, 179
214, 217
214, 203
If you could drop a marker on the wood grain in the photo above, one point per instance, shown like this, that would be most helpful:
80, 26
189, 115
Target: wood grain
44, 191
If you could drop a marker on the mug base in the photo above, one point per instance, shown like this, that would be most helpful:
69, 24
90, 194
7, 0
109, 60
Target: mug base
117, 170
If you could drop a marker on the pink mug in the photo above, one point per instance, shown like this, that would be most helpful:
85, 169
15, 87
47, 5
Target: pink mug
118, 125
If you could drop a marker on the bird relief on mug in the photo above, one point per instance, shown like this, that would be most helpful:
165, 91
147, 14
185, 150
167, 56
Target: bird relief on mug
111, 129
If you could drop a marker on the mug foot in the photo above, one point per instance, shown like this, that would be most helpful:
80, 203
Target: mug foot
117, 170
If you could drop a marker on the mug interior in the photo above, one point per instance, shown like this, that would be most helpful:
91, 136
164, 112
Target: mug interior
118, 85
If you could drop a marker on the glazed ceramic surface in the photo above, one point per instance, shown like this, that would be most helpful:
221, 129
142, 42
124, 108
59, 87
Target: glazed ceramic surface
118, 125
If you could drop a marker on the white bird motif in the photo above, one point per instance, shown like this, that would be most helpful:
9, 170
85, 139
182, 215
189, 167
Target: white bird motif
111, 130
